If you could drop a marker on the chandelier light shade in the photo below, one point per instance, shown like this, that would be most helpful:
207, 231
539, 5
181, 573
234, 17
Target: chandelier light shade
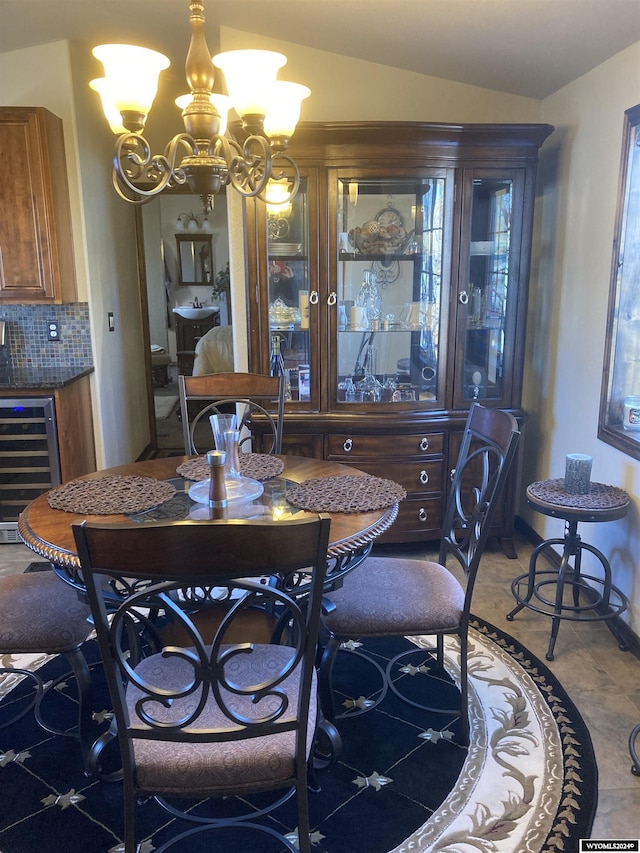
131, 75
250, 76
283, 111
101, 86
212, 152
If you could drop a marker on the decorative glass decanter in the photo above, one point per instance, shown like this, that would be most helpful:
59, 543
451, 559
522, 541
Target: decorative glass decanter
369, 298
369, 390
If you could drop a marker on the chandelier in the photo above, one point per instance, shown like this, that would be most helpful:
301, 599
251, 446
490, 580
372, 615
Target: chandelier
247, 152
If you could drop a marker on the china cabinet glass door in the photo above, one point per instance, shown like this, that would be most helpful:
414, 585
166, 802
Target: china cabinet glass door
291, 296
488, 287
392, 281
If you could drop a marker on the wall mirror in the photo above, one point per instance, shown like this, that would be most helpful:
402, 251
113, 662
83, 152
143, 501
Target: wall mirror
195, 259
619, 422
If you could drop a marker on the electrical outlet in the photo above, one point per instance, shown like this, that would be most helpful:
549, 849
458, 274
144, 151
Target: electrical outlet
53, 330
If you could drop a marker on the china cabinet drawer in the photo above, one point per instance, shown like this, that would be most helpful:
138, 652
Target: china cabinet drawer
418, 519
384, 446
414, 477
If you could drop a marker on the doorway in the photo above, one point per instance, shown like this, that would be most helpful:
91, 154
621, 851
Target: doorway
166, 225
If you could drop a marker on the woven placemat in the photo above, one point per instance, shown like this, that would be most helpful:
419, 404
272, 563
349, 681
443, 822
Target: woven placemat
345, 493
110, 495
600, 496
258, 466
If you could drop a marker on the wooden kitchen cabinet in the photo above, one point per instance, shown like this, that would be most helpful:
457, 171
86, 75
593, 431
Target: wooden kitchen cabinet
411, 245
35, 222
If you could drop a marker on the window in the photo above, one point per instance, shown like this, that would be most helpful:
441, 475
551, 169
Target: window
619, 423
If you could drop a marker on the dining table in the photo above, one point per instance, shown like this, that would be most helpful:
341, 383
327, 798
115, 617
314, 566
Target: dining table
177, 489
46, 528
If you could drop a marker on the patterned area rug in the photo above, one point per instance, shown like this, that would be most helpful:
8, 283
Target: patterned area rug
528, 782
164, 405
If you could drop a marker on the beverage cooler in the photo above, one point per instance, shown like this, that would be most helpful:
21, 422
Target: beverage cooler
29, 462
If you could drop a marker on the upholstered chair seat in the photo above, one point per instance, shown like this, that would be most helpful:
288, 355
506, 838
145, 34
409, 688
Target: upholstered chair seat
388, 597
39, 613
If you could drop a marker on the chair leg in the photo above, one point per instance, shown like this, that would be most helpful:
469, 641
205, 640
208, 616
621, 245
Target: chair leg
39, 690
325, 670
304, 828
326, 749
82, 675
130, 801
86, 732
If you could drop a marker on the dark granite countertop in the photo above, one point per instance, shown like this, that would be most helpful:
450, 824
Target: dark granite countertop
45, 378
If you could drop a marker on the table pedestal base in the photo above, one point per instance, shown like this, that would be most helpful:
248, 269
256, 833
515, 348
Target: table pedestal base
601, 601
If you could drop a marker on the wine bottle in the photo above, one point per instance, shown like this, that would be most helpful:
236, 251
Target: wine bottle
276, 364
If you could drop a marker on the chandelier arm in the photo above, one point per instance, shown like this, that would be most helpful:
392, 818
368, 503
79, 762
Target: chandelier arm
138, 174
249, 165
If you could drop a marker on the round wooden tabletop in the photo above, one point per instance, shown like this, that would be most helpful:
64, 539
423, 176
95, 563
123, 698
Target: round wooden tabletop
47, 531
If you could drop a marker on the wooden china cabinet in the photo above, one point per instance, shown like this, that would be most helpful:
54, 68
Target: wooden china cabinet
395, 287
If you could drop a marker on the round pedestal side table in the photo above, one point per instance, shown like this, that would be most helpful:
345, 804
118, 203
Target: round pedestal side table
565, 592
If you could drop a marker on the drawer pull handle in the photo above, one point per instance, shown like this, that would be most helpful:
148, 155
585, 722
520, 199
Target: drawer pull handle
422, 514
348, 445
333, 298
313, 297
424, 477
452, 474
424, 443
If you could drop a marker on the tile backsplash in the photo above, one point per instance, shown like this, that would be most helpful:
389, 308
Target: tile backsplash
26, 333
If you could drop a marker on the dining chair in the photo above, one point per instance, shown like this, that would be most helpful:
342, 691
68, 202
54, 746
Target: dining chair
206, 703
252, 393
401, 597
42, 615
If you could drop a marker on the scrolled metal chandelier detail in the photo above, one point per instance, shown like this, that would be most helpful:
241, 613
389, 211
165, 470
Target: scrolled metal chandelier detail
211, 153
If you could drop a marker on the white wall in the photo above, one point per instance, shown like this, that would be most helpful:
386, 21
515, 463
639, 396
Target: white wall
577, 188
111, 261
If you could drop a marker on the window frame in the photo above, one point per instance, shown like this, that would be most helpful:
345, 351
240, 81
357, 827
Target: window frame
627, 225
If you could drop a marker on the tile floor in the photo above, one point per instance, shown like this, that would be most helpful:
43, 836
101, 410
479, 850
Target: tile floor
602, 681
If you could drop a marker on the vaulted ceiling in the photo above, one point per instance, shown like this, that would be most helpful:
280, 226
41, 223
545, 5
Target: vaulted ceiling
526, 47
